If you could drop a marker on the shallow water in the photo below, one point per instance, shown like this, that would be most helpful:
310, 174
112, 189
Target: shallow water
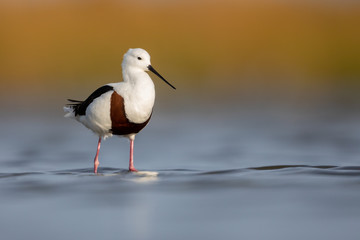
262, 175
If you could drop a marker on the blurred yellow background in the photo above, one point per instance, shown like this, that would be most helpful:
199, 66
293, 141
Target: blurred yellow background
294, 49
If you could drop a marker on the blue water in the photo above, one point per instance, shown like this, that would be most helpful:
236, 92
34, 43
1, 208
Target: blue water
269, 174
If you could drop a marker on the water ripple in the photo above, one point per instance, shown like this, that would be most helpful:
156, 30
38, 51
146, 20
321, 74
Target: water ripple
106, 171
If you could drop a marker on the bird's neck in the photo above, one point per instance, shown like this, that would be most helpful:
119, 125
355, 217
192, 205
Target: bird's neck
130, 74
137, 78
140, 97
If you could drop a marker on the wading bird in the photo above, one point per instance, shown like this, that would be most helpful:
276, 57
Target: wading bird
122, 108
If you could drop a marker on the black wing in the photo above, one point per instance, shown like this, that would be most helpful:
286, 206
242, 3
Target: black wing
80, 106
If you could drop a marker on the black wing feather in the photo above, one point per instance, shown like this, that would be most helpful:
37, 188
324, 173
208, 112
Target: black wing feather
80, 106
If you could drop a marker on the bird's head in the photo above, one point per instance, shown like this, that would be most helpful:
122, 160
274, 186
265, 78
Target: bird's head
139, 59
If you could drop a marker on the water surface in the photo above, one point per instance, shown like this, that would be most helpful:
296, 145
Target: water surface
268, 175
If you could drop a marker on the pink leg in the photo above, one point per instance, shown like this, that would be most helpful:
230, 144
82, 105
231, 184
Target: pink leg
96, 160
131, 162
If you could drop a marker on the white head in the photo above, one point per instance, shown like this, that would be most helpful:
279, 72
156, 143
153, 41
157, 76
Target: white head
139, 59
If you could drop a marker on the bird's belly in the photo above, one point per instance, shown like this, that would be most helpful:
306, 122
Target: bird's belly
126, 128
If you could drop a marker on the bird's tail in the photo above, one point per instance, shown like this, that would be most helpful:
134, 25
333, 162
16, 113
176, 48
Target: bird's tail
69, 112
70, 108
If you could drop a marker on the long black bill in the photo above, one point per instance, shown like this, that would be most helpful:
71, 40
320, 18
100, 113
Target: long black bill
158, 74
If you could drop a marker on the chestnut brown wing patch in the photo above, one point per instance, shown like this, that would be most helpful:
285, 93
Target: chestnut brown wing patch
120, 125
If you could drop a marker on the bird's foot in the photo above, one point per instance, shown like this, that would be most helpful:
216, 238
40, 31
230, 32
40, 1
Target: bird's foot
132, 169
96, 164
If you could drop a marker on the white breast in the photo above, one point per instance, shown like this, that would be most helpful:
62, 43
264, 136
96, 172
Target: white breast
139, 97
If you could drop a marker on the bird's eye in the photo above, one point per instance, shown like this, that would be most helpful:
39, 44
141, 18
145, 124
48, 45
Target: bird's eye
139, 58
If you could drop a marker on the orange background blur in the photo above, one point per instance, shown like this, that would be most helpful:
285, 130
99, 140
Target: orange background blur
288, 50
